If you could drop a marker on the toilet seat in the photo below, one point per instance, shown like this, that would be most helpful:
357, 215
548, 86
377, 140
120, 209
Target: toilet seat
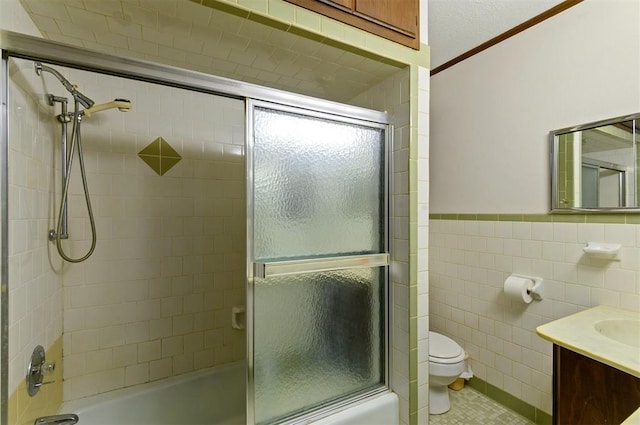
444, 350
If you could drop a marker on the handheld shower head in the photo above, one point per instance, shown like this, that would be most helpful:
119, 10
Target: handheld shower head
123, 105
81, 98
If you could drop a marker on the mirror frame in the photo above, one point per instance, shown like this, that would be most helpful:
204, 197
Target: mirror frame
553, 155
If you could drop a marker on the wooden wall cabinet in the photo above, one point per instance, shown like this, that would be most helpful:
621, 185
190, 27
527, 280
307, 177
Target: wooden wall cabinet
586, 391
396, 20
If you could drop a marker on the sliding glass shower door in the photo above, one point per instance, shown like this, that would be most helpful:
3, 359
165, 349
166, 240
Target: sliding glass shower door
318, 257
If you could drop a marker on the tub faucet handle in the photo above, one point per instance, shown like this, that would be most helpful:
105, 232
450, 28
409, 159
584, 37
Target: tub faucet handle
47, 368
63, 419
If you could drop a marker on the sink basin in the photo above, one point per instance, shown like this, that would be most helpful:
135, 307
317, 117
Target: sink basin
626, 331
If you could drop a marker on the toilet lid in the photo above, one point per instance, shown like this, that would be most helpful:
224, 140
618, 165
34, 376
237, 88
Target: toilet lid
443, 347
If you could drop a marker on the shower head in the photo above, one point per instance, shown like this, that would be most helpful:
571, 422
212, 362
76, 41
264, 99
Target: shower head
79, 97
123, 105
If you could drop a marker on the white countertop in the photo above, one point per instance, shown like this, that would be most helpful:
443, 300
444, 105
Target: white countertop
634, 419
576, 332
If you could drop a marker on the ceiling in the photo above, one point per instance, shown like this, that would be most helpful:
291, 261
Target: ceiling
457, 26
187, 34
190, 35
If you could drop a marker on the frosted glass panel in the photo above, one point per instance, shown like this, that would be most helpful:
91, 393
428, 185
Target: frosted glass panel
318, 196
318, 338
319, 186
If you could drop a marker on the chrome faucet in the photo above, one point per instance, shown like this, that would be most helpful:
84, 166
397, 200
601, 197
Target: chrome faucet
64, 419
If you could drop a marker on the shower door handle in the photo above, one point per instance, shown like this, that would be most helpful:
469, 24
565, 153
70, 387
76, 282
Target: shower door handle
264, 270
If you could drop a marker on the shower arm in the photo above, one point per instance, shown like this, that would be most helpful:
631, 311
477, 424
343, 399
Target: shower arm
84, 100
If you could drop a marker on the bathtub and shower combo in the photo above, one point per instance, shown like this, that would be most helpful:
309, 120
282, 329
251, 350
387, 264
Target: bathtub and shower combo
240, 205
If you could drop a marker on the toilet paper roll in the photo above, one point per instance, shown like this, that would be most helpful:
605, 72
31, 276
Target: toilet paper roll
516, 289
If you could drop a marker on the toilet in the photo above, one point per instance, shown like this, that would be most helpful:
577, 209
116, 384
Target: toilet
446, 363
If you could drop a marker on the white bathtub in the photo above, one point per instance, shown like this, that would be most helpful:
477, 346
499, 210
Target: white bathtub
212, 397
378, 410
215, 396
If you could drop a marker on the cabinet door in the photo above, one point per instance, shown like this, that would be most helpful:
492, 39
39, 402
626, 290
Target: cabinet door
401, 15
586, 391
395, 20
348, 4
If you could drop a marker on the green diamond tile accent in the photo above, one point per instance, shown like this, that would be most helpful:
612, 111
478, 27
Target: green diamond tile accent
160, 156
166, 150
151, 161
167, 163
152, 149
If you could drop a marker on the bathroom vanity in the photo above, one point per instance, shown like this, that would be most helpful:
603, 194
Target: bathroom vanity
586, 391
596, 366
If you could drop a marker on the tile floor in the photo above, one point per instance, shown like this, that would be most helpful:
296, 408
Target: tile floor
470, 407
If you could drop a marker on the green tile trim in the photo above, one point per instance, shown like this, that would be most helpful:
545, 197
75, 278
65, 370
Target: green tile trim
487, 217
510, 217
543, 418
509, 401
413, 418
271, 22
477, 384
512, 402
413, 396
413, 333
224, 7
607, 218
413, 364
601, 218
413, 301
450, 217
570, 218
538, 218
633, 219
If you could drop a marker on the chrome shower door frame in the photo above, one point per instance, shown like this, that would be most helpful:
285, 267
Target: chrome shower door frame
4, 239
38, 49
261, 270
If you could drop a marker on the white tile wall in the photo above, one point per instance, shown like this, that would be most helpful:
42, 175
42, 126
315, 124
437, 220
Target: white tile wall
393, 95
155, 298
422, 221
13, 17
469, 262
35, 285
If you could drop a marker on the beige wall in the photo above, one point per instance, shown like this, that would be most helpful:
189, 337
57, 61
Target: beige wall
493, 112
491, 118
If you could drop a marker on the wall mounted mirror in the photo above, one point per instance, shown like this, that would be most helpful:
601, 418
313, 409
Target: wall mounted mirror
594, 167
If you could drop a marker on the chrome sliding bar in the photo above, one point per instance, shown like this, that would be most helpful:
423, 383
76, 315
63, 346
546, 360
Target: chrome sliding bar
281, 268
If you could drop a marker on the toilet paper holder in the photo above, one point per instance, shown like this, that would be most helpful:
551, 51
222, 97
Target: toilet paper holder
536, 290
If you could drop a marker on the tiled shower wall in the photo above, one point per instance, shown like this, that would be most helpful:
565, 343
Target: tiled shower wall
155, 298
35, 284
409, 298
392, 95
470, 259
